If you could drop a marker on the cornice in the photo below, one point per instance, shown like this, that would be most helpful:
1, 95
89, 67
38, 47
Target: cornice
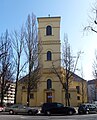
51, 42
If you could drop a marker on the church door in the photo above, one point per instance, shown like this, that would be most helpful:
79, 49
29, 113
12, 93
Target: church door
49, 97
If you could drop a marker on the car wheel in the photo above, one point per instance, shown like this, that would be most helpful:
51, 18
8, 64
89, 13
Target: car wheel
79, 113
48, 113
11, 112
30, 112
70, 112
87, 112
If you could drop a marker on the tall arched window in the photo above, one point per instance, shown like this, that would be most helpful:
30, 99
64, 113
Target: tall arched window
48, 30
49, 84
49, 55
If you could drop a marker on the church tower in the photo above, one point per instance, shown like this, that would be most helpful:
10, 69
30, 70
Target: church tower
49, 32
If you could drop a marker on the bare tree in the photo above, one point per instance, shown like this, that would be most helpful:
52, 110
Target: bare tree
1, 54
32, 53
93, 27
17, 44
92, 20
92, 90
6, 64
69, 65
83, 87
94, 66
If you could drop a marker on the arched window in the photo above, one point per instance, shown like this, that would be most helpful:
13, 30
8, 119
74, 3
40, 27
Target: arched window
49, 84
49, 55
48, 30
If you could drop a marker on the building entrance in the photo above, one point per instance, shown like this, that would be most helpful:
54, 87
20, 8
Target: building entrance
49, 97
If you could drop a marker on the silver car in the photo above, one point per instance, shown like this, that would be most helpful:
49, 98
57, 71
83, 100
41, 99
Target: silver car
19, 108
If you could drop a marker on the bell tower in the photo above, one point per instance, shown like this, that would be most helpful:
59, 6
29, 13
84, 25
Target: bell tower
49, 31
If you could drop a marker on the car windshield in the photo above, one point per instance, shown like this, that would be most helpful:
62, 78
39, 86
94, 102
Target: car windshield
14, 106
82, 106
18, 106
60, 105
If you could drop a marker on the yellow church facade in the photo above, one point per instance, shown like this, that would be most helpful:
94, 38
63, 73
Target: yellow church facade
50, 88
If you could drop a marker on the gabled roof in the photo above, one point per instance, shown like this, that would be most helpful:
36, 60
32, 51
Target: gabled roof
77, 78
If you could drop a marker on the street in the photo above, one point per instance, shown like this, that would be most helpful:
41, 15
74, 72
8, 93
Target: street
40, 117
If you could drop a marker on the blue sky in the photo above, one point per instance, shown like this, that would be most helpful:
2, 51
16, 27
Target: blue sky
74, 16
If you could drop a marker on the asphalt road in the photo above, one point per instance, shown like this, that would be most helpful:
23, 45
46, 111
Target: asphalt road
40, 117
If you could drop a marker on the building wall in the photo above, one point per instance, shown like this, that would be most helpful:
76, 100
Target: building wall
10, 93
58, 94
73, 98
19, 96
81, 95
92, 90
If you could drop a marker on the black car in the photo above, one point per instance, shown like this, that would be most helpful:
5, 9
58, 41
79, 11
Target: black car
87, 108
57, 108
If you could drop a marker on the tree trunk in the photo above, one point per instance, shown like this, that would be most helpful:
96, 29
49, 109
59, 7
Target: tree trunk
28, 91
29, 78
67, 90
17, 80
15, 93
2, 91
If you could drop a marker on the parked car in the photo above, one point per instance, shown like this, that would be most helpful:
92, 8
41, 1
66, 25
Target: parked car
87, 108
57, 108
18, 108
1, 109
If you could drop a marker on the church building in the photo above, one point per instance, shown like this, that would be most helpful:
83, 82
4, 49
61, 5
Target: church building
50, 88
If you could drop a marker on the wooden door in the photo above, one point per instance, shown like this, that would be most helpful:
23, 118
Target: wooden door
49, 97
